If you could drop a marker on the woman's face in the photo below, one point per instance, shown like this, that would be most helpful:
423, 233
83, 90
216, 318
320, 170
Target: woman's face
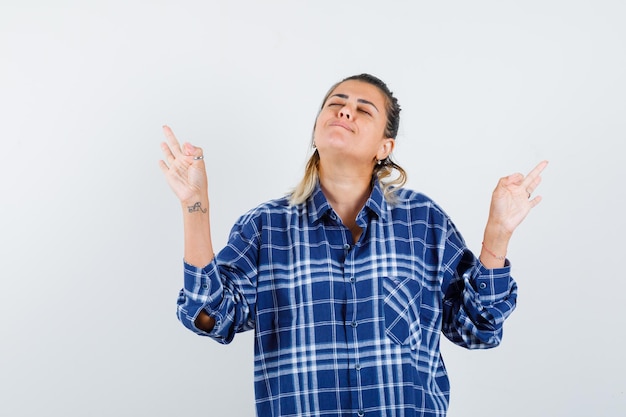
351, 124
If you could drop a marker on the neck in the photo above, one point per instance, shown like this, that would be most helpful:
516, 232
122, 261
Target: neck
346, 190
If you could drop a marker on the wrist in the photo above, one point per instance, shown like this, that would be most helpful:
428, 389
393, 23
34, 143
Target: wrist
501, 256
495, 245
496, 234
199, 204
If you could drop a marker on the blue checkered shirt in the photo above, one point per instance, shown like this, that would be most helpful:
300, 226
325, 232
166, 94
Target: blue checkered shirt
343, 328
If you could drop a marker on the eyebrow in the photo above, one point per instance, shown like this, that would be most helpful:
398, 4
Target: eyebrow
359, 100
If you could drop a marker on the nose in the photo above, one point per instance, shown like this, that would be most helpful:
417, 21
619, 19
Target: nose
346, 112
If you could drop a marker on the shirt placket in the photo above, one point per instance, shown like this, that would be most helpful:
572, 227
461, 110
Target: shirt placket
351, 319
352, 325
354, 320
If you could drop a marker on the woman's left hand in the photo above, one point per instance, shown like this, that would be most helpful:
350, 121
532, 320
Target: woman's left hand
511, 200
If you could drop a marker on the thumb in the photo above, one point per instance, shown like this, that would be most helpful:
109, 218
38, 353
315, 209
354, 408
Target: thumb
193, 151
514, 179
189, 149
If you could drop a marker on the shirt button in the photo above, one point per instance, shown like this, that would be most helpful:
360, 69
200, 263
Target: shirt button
352, 280
205, 286
360, 413
354, 324
358, 367
482, 285
346, 246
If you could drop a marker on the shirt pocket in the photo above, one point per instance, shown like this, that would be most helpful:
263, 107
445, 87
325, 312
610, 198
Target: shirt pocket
401, 307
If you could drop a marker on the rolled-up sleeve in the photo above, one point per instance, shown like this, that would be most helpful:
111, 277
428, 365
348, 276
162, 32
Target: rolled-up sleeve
201, 288
477, 300
488, 297
225, 288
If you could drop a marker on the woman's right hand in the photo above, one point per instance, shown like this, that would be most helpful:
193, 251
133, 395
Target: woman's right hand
183, 168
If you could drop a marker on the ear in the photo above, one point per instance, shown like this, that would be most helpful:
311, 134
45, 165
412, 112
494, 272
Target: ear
385, 148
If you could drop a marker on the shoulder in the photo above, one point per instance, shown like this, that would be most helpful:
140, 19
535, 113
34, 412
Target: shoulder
420, 204
272, 209
408, 198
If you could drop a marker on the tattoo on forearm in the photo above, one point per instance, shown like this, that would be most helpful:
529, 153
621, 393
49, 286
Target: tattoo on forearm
196, 207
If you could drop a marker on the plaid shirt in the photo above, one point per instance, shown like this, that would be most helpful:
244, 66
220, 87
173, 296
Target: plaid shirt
344, 329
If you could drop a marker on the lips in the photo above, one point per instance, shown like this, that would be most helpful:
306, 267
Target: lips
342, 124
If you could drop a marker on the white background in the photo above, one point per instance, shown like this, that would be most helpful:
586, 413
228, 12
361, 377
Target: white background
91, 236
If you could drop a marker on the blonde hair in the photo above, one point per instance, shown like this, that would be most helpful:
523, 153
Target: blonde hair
383, 172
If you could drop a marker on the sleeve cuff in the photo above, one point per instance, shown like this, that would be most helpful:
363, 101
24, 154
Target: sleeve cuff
493, 284
201, 287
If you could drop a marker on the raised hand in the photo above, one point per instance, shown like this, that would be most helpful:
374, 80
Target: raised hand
183, 168
511, 200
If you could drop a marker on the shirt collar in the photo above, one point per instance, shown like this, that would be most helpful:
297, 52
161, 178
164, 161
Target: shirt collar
377, 203
318, 205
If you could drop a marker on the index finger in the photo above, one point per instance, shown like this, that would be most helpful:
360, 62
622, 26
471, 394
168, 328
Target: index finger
536, 171
172, 141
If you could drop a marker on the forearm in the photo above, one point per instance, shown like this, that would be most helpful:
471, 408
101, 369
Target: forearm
198, 247
494, 247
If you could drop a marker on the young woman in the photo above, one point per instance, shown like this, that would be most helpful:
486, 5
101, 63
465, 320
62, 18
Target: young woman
349, 281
